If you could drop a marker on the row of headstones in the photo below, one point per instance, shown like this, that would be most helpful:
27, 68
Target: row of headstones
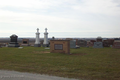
14, 42
63, 46
105, 43
95, 44
73, 43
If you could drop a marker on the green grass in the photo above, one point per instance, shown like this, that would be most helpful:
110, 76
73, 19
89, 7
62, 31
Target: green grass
85, 63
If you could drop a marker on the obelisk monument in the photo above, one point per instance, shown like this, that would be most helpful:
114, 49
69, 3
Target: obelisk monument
45, 43
37, 40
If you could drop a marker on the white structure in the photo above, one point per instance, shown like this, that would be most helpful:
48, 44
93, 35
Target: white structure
37, 41
45, 43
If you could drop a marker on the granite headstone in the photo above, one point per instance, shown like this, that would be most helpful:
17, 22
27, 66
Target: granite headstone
98, 45
73, 44
116, 44
81, 43
99, 39
106, 43
13, 41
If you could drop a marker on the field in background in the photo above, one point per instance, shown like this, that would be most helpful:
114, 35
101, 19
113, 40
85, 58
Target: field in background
88, 63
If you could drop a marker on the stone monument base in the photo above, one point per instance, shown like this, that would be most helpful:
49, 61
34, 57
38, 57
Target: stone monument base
12, 44
45, 45
37, 45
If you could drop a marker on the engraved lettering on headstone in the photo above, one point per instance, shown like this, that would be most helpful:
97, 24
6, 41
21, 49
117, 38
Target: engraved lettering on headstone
58, 46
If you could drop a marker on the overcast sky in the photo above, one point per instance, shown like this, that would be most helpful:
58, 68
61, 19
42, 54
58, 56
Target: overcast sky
63, 18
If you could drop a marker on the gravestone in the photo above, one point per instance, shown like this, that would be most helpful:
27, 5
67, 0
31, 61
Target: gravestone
37, 40
41, 42
99, 39
98, 45
60, 46
110, 41
81, 43
116, 44
13, 41
3, 44
45, 43
106, 43
0, 46
73, 44
25, 42
90, 43
53, 38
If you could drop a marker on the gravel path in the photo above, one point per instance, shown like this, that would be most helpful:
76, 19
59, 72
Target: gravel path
14, 75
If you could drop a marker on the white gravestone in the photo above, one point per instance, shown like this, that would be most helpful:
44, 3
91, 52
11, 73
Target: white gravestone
37, 40
46, 43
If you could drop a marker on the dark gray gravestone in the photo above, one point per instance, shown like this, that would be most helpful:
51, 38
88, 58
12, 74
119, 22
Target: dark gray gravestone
82, 43
13, 41
0, 46
72, 44
98, 45
106, 43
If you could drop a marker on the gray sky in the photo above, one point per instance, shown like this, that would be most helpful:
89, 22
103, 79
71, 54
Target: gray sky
63, 18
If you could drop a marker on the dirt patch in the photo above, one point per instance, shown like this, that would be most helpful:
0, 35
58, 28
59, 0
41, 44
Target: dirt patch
40, 52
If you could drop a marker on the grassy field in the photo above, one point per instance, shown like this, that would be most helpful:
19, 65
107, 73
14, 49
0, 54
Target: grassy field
85, 63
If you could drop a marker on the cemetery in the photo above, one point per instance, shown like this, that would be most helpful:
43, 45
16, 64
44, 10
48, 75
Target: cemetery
94, 59
88, 63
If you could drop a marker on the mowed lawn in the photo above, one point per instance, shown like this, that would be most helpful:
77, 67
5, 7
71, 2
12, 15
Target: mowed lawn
84, 63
